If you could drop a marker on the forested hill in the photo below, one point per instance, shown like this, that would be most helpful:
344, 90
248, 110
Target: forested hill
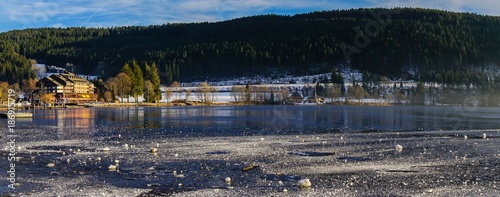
438, 45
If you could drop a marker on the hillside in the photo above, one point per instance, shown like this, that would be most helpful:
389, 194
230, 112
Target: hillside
418, 44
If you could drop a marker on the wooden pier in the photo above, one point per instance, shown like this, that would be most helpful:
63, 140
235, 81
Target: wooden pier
17, 115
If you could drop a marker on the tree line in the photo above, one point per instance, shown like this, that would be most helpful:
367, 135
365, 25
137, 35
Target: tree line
133, 81
14, 68
440, 46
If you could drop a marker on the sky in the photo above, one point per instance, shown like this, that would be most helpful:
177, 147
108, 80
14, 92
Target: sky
22, 14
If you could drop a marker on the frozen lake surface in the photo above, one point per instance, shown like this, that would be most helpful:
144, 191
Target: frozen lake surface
343, 150
233, 120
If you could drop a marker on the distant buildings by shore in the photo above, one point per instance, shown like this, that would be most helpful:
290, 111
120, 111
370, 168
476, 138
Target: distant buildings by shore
66, 88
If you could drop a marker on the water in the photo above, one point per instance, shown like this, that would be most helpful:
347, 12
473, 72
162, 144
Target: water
337, 147
235, 120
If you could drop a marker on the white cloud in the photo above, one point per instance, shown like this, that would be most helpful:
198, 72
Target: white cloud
56, 25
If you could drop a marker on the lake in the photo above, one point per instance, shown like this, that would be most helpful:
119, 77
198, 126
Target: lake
232, 120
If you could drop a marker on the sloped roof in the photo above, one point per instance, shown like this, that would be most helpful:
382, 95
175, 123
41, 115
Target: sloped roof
296, 96
74, 78
47, 80
64, 79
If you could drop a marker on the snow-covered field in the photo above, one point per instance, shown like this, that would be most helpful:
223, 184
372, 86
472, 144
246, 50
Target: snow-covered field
299, 84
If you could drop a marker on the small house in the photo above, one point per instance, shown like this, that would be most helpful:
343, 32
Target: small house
295, 98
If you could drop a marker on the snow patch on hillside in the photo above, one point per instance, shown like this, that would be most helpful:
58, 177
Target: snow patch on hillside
348, 74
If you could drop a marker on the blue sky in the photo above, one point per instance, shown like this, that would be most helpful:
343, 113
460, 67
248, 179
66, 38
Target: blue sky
21, 14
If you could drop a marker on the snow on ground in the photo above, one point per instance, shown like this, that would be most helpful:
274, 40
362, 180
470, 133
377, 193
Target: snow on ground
287, 82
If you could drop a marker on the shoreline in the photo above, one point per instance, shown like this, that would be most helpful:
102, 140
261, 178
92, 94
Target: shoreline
182, 104
197, 103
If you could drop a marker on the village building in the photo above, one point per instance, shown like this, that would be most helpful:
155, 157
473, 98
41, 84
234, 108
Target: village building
315, 99
295, 98
67, 88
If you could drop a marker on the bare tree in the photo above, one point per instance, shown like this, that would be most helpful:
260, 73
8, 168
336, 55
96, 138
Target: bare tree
206, 93
283, 94
4, 87
149, 92
123, 84
108, 96
249, 91
29, 85
112, 86
187, 95
16, 87
176, 85
261, 94
168, 94
333, 91
238, 93
213, 93
357, 92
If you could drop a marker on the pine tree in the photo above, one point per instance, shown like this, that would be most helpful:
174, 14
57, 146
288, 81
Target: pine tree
177, 72
147, 71
149, 93
337, 76
169, 76
131, 76
138, 81
419, 97
152, 75
127, 70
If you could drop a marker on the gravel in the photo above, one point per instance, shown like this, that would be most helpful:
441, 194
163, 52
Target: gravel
431, 163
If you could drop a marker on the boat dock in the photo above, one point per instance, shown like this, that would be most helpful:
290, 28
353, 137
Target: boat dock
18, 115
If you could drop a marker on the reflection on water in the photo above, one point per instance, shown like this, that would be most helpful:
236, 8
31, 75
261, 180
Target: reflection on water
63, 119
274, 118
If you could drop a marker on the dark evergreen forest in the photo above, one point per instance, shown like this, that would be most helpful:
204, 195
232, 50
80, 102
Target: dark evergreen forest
419, 44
